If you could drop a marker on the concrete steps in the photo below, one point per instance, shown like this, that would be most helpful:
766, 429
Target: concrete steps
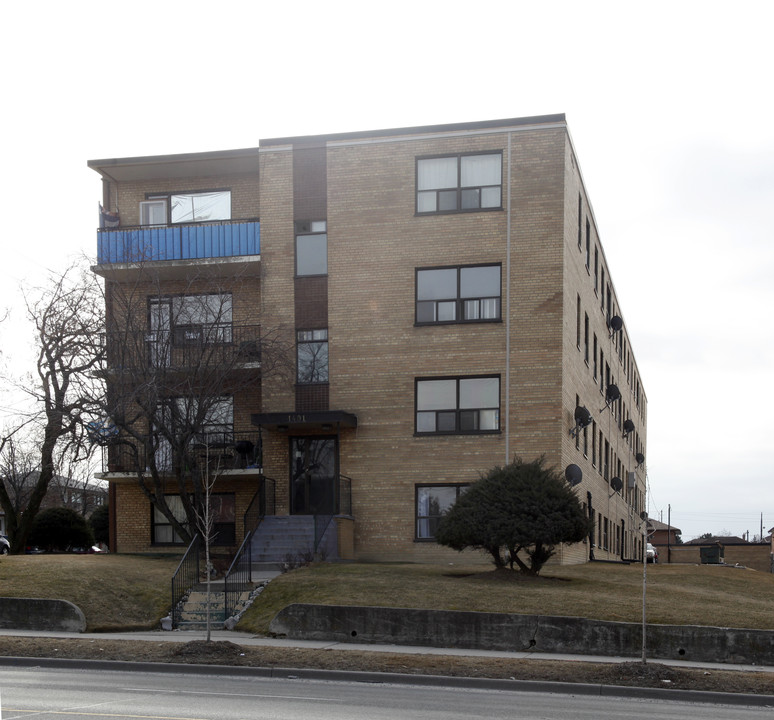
281, 537
193, 614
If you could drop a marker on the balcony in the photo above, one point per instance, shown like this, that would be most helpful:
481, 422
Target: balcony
220, 452
198, 348
235, 244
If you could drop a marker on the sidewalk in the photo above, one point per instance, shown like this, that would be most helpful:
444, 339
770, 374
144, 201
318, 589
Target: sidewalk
247, 639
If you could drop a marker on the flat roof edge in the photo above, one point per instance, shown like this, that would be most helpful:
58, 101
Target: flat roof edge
179, 157
452, 127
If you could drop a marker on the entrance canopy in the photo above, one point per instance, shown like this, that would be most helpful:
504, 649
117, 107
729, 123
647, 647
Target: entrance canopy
325, 420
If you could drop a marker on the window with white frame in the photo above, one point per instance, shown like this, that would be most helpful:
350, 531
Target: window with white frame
458, 405
186, 207
469, 293
312, 356
459, 183
432, 501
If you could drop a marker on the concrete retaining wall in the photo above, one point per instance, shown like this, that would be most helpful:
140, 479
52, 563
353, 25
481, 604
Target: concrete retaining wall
38, 614
514, 633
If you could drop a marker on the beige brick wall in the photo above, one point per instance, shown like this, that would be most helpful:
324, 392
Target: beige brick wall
245, 194
133, 515
579, 380
375, 243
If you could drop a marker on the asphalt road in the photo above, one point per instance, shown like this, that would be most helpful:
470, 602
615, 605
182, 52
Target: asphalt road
76, 694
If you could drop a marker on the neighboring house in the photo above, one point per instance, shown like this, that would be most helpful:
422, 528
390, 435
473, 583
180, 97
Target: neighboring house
722, 539
449, 305
662, 534
732, 549
83, 497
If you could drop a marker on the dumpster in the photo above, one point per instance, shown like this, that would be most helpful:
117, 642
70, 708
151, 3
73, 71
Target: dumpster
712, 555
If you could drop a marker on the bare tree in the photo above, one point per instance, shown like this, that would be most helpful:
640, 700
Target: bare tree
19, 468
176, 359
68, 320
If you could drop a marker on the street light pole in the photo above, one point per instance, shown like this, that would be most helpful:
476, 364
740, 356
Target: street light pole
644, 517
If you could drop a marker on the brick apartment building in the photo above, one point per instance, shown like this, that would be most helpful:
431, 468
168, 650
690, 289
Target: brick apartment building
449, 305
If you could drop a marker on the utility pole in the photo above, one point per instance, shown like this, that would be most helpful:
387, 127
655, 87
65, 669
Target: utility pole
669, 533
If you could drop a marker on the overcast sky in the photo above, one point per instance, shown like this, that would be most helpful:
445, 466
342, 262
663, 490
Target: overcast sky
669, 105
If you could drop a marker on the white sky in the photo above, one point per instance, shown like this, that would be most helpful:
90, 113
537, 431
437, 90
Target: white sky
669, 105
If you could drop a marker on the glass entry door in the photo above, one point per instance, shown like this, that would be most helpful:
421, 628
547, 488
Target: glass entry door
313, 464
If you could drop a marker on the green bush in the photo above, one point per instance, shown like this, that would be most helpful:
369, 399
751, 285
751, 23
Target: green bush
61, 529
520, 508
100, 524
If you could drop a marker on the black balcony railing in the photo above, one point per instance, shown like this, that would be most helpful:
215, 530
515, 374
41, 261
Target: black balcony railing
218, 450
184, 347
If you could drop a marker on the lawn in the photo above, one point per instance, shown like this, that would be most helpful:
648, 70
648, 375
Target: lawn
115, 592
676, 594
133, 592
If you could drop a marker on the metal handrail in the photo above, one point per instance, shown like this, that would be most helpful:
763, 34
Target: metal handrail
186, 575
342, 504
238, 576
261, 505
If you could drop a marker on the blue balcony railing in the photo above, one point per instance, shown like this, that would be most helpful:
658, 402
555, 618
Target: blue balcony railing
179, 242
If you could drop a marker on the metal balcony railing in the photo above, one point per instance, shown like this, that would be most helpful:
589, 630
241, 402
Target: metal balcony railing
218, 450
184, 346
196, 241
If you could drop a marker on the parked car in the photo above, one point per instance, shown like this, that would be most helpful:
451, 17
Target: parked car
651, 553
5, 545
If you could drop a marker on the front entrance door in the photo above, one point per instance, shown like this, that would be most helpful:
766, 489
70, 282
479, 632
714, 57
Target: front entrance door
313, 463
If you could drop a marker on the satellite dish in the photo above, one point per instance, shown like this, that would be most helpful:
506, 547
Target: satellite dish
573, 474
616, 323
612, 394
617, 484
101, 431
582, 416
628, 427
643, 515
640, 458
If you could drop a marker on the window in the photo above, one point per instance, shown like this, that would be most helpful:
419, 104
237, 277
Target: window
153, 212
458, 405
588, 244
432, 502
459, 183
312, 248
187, 207
578, 322
458, 294
162, 531
184, 320
207, 421
312, 356
586, 338
596, 269
594, 363
222, 512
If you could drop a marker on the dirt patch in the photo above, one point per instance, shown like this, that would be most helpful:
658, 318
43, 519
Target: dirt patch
223, 652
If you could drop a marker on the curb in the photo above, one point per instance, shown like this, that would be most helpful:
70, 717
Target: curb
625, 691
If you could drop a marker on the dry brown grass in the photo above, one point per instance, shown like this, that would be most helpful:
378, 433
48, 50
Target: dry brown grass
676, 594
133, 592
114, 592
